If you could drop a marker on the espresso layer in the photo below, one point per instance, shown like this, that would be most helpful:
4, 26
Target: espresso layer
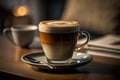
59, 38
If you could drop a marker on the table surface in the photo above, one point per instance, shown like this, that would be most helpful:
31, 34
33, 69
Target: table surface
101, 68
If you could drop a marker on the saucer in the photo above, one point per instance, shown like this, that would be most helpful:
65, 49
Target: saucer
37, 59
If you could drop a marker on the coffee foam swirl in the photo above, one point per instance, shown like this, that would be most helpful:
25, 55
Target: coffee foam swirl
59, 23
58, 26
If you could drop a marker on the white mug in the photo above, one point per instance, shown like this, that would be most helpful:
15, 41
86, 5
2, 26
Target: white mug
20, 35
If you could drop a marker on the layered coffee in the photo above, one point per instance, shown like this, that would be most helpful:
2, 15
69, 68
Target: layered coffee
58, 38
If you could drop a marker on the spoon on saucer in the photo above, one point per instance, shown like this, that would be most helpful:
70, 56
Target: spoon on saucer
33, 60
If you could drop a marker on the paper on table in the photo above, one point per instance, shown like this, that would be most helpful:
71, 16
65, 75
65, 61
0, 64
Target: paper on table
105, 54
107, 41
105, 46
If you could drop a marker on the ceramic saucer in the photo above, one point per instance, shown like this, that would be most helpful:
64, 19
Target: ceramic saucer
38, 60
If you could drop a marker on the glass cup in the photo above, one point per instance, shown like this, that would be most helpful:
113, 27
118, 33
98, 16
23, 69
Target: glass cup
59, 38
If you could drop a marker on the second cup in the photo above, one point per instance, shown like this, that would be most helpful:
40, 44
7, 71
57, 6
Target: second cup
20, 35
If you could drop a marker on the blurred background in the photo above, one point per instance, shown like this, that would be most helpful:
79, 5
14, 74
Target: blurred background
31, 12
99, 17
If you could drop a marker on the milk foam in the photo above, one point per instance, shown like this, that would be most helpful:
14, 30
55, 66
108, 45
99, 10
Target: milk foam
58, 26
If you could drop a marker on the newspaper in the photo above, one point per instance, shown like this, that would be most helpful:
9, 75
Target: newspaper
108, 45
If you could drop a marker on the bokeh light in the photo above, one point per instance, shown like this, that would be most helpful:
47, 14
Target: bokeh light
20, 11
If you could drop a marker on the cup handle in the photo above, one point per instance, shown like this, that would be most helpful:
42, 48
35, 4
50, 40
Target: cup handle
80, 46
9, 37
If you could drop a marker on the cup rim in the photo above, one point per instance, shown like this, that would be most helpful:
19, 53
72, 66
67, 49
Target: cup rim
45, 27
24, 27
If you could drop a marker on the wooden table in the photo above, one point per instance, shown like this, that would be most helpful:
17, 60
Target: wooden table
12, 68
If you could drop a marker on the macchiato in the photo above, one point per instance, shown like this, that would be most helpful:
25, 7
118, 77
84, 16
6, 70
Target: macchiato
58, 39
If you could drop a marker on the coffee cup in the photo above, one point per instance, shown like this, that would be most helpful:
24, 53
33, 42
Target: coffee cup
59, 38
20, 35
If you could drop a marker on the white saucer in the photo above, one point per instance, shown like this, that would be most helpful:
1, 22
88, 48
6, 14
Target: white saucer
77, 60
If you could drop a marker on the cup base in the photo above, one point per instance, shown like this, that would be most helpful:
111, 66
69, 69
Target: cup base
50, 61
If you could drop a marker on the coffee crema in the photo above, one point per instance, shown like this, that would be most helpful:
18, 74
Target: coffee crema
58, 26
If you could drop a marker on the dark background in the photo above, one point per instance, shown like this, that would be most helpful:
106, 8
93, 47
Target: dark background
38, 10
41, 10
